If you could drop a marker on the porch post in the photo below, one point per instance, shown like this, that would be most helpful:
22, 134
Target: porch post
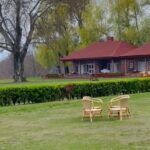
112, 65
94, 65
125, 65
64, 68
80, 66
145, 65
135, 64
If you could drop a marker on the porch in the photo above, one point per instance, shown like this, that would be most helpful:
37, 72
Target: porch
89, 67
112, 66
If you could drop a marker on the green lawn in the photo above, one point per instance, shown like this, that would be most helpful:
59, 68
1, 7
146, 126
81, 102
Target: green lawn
40, 81
58, 126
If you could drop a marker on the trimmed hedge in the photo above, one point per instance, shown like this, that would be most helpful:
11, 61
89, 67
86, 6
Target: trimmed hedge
39, 94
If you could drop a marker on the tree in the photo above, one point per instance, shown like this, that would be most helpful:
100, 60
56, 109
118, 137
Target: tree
57, 36
94, 25
45, 57
145, 30
76, 9
18, 20
62, 36
146, 2
125, 16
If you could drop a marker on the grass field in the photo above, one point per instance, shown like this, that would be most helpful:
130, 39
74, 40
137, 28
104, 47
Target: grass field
40, 81
58, 126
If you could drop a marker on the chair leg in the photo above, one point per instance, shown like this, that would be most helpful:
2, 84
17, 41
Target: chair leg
120, 115
83, 116
109, 114
101, 114
91, 116
129, 113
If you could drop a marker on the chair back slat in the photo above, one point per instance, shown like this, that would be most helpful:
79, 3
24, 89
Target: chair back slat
120, 101
124, 101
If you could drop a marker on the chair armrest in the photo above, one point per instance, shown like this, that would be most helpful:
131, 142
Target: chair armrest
97, 103
97, 100
113, 102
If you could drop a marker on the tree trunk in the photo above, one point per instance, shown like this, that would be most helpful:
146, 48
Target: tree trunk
18, 68
59, 69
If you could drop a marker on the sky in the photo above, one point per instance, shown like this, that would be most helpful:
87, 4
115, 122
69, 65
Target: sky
3, 55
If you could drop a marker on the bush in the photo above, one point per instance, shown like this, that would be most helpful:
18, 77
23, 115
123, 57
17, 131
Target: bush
39, 94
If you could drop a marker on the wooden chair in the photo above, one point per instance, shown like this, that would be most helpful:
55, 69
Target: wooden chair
119, 107
92, 107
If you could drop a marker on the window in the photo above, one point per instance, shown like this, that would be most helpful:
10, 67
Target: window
131, 65
88, 68
76, 69
85, 68
116, 67
148, 65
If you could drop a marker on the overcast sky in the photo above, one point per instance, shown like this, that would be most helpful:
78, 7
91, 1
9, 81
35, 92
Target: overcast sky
3, 55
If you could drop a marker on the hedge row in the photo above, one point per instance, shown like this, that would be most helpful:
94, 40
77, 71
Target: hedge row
9, 96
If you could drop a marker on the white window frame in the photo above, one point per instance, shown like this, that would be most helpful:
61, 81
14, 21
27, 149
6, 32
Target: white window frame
89, 68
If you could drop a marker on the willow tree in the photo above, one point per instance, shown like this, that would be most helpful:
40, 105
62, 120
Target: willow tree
125, 18
18, 20
94, 25
146, 2
58, 33
76, 9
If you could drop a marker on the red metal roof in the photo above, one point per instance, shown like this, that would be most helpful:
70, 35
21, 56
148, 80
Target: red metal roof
105, 49
141, 51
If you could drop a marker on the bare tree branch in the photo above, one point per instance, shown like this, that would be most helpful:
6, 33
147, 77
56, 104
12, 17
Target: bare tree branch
5, 34
6, 48
4, 22
35, 6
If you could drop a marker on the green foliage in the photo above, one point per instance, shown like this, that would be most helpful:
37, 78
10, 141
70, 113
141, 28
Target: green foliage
40, 94
29, 94
62, 36
145, 30
45, 56
125, 19
57, 33
131, 35
93, 26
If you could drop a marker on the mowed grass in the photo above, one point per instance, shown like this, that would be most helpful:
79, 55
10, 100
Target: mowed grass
58, 126
39, 81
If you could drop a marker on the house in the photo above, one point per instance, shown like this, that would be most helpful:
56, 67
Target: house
110, 56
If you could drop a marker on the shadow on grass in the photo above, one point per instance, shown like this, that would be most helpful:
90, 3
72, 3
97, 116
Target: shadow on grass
103, 119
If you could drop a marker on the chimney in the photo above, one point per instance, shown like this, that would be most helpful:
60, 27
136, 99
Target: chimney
110, 38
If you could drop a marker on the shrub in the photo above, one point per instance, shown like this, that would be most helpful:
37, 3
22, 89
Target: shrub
39, 94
